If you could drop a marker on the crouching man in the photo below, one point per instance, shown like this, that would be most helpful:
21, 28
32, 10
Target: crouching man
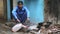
20, 13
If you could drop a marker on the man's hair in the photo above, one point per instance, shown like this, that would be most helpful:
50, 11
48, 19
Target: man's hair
20, 2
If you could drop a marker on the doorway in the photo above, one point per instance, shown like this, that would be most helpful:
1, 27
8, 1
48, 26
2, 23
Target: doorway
11, 7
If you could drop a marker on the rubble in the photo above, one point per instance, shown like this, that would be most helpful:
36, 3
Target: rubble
52, 29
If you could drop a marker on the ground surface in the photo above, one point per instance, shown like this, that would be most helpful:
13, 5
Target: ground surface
7, 30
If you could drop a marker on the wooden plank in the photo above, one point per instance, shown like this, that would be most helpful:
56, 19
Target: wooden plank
1, 9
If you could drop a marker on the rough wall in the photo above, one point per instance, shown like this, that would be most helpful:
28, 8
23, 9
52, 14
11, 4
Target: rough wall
52, 11
59, 12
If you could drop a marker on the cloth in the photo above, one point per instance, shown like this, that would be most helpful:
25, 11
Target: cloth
16, 27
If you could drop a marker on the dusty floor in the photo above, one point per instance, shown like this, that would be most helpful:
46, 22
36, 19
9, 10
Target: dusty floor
5, 30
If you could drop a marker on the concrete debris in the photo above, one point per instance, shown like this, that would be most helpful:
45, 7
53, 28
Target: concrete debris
44, 29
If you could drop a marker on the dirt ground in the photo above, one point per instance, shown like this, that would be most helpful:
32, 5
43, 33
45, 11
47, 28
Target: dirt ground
7, 30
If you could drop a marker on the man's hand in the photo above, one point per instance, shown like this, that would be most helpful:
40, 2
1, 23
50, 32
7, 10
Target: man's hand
18, 20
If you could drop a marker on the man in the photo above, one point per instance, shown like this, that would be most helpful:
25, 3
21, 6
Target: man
20, 13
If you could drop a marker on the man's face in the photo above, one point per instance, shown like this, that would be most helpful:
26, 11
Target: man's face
20, 5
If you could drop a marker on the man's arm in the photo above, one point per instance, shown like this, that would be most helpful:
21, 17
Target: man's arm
14, 12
